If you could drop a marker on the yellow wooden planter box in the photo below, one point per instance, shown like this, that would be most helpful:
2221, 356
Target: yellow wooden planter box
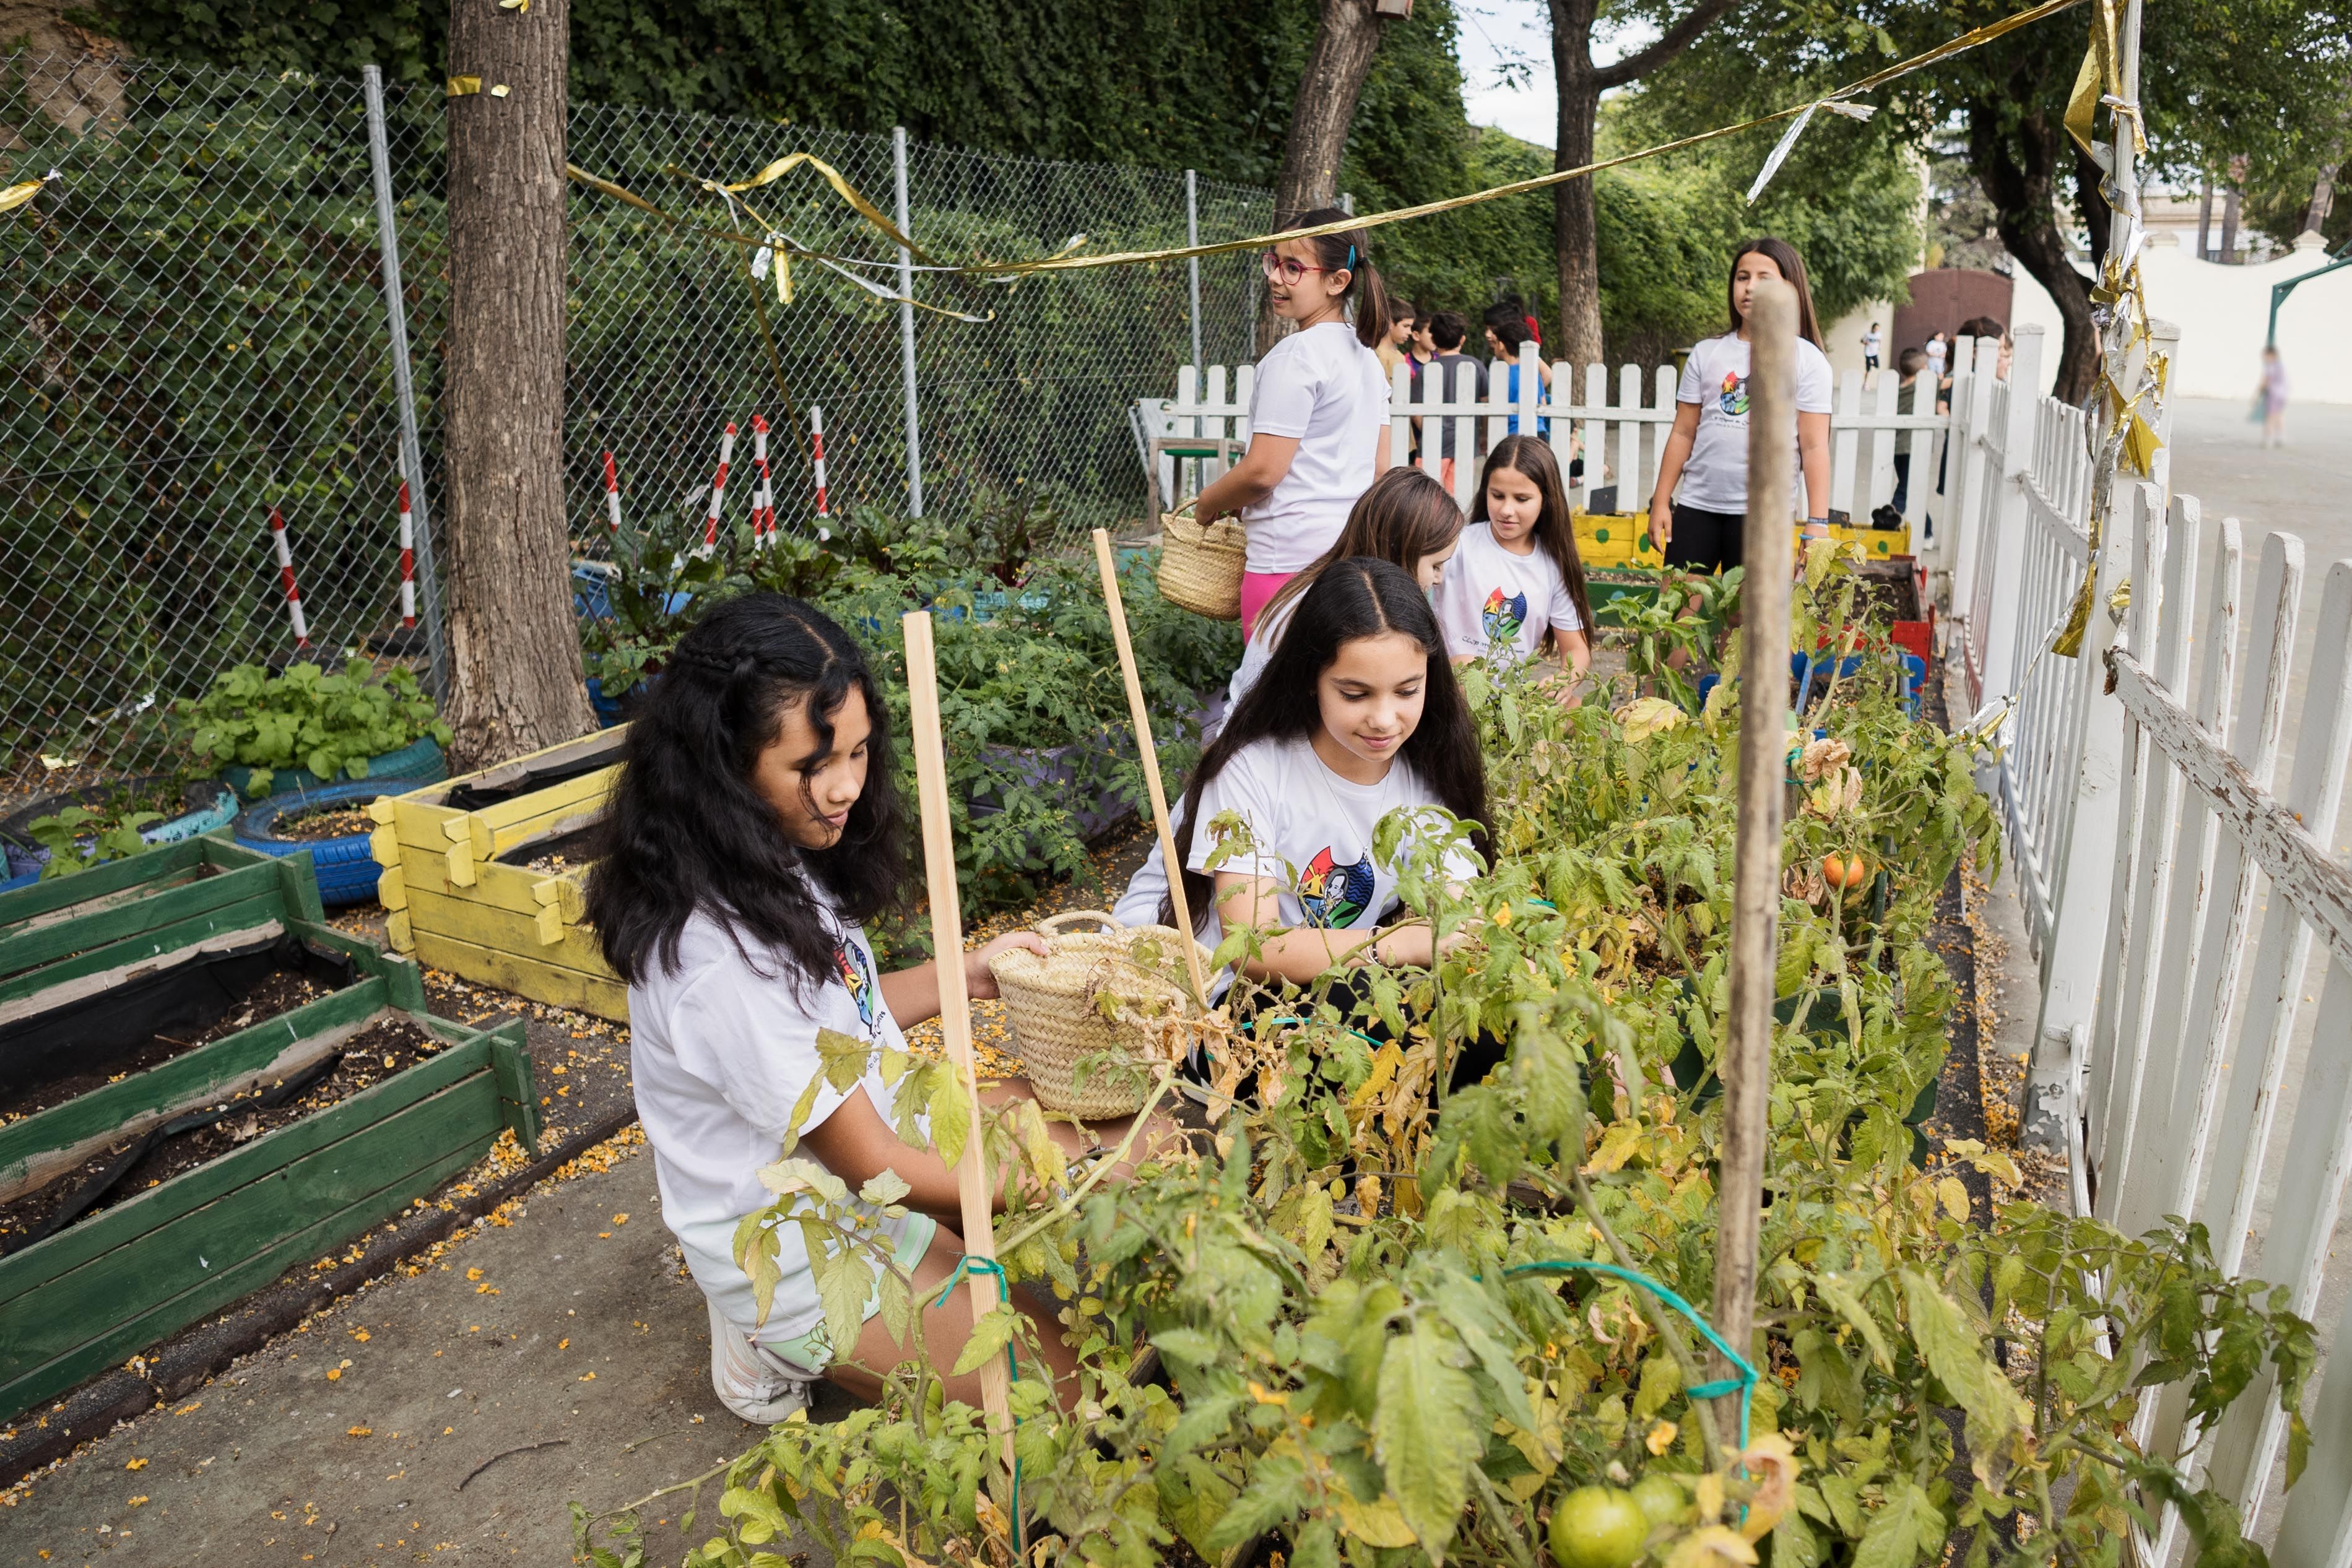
1615, 538
463, 899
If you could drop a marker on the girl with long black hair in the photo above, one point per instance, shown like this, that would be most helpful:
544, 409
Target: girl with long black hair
753, 832
1517, 586
1700, 505
1358, 714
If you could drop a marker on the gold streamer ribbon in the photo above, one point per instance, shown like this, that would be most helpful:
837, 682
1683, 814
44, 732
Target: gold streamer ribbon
1063, 261
23, 191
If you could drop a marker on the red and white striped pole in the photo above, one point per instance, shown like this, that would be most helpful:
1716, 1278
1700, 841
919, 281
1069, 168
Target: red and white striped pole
718, 486
286, 576
817, 443
407, 559
763, 511
612, 496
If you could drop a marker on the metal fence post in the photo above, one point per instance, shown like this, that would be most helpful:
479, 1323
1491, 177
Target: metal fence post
396, 310
907, 327
1193, 237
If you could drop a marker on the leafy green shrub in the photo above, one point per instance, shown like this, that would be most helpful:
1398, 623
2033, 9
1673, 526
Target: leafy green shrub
1398, 1316
78, 838
329, 724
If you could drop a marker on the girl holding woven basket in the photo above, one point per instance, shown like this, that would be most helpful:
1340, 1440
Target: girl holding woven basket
1318, 410
754, 829
1357, 715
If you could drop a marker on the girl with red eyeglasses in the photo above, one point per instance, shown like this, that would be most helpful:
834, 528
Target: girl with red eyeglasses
1319, 414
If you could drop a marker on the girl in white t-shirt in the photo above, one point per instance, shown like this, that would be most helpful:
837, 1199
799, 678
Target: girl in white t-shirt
752, 831
1319, 411
1700, 509
1406, 518
1517, 584
1358, 715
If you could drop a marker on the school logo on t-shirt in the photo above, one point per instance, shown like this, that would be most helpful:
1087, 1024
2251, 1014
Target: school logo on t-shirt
1735, 394
1503, 617
857, 976
1335, 894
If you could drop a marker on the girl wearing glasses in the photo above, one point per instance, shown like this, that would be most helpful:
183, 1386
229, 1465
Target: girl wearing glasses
1319, 415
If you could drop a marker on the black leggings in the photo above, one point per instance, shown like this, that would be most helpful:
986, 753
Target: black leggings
1706, 541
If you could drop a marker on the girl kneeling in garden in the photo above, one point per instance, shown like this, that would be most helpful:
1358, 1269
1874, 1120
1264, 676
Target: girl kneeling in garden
1406, 518
1357, 715
754, 829
1517, 584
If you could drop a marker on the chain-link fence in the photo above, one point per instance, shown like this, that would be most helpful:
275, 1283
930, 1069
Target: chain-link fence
198, 335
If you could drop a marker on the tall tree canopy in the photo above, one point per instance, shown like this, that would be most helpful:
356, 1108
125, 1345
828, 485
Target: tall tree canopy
2219, 80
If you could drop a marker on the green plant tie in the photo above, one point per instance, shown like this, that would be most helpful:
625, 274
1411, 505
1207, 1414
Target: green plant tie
1743, 1382
967, 1266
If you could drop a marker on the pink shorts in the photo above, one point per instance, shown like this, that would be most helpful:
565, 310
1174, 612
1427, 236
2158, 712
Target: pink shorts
1257, 588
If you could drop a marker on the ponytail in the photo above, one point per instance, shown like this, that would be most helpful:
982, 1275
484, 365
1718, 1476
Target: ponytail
1351, 252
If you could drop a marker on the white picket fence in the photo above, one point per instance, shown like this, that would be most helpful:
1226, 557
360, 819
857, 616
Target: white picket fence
2173, 898
1625, 433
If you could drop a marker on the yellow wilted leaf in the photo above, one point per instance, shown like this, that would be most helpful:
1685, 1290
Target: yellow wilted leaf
1773, 1459
1645, 716
136, 1465
1618, 1145
1954, 1196
1710, 1548
359, 1431
1377, 1523
1661, 1437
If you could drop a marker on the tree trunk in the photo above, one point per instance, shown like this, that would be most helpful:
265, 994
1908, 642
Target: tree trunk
1575, 222
1337, 63
2230, 202
2019, 175
2322, 196
2205, 218
514, 653
1580, 83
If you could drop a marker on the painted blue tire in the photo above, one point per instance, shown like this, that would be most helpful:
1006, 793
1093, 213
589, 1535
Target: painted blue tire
418, 762
346, 870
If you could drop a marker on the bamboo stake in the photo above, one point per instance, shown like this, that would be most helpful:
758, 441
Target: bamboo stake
955, 1003
1108, 567
1746, 1064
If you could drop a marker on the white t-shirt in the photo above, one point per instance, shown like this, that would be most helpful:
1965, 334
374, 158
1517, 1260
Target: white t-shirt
1714, 377
1870, 341
1311, 833
720, 1054
1325, 388
1491, 600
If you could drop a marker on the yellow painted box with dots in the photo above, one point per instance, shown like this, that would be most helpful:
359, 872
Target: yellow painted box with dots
482, 875
1615, 538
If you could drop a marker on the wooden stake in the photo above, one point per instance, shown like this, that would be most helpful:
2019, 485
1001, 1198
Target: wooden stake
1108, 567
955, 1003
1746, 1064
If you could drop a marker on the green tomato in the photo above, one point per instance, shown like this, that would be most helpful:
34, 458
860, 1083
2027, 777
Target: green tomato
1598, 1527
1661, 1500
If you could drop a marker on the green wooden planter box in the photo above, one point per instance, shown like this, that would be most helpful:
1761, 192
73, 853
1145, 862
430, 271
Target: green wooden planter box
98, 926
118, 1281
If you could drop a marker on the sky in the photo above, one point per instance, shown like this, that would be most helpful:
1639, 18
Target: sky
1506, 49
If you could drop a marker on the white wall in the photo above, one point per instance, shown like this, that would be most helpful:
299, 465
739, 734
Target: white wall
2223, 313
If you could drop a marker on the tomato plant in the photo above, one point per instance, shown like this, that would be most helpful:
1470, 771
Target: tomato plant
1366, 1288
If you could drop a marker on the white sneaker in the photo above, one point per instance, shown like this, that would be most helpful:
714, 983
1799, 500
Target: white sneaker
746, 1381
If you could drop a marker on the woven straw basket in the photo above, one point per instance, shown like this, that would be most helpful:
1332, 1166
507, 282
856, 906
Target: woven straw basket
1201, 565
1114, 999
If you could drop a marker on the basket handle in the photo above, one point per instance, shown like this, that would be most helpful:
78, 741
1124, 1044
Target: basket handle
1051, 924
